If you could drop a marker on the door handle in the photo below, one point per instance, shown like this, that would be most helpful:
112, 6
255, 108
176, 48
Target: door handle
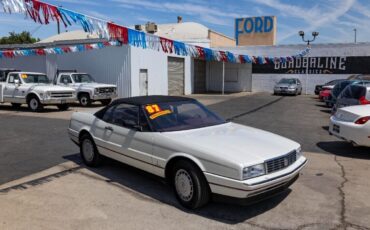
109, 128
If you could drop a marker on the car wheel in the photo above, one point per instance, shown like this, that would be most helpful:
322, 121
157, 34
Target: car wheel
84, 99
63, 107
34, 104
190, 185
106, 102
89, 152
16, 105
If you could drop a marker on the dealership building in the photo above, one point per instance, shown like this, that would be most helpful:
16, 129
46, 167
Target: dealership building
138, 71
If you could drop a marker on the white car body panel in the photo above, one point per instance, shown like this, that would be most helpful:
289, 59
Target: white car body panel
345, 119
220, 151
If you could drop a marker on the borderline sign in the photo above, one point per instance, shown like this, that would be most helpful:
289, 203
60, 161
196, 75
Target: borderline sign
317, 65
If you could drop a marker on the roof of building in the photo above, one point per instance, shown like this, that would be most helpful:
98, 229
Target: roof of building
71, 35
145, 100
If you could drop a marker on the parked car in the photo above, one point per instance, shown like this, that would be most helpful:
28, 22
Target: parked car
292, 86
338, 88
35, 90
359, 77
324, 93
352, 124
198, 152
328, 85
353, 95
88, 90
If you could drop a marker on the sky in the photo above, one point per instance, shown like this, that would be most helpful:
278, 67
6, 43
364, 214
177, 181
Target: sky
335, 20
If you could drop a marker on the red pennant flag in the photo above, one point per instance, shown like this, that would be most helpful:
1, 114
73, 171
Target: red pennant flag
118, 32
167, 45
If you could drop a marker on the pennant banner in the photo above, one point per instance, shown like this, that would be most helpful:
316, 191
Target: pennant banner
57, 50
43, 13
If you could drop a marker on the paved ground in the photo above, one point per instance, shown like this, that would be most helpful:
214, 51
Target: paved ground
332, 192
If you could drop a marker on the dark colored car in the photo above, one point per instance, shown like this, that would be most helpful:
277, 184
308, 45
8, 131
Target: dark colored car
338, 88
318, 88
354, 94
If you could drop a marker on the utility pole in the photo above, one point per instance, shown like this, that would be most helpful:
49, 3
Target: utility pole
355, 30
58, 25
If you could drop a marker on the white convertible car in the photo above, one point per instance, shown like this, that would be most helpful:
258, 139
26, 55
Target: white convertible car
352, 124
198, 152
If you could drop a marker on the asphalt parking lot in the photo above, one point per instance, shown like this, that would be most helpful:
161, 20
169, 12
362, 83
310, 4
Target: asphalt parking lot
43, 184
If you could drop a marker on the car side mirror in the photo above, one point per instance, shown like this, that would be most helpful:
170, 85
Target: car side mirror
17, 82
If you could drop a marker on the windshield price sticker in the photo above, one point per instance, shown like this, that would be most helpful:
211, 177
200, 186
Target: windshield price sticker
161, 113
153, 109
24, 76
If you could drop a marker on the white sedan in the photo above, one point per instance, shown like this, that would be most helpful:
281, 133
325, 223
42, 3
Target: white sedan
198, 152
352, 124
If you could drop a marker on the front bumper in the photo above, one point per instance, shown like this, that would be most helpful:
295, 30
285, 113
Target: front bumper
255, 186
285, 91
350, 132
58, 101
97, 97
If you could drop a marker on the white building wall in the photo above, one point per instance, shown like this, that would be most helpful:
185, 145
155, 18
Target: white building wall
110, 65
265, 82
238, 77
156, 63
30, 64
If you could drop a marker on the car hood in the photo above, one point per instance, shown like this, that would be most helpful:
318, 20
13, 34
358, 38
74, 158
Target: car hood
94, 85
233, 142
285, 85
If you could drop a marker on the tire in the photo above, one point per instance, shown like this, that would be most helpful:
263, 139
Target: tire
34, 104
89, 152
106, 102
16, 105
63, 107
84, 99
190, 186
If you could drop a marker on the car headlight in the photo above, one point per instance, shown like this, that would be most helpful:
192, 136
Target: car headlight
254, 171
299, 153
96, 91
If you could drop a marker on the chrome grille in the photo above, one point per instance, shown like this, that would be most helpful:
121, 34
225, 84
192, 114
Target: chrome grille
283, 88
106, 90
281, 162
61, 94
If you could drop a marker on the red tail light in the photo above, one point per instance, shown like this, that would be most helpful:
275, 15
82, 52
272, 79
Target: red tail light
363, 101
362, 120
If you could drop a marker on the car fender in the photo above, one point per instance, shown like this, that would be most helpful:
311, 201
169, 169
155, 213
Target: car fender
188, 156
34, 92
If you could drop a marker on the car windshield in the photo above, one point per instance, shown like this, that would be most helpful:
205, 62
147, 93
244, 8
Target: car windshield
181, 115
35, 78
83, 78
334, 82
287, 81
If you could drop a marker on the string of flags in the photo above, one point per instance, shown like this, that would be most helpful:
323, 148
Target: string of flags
43, 13
57, 50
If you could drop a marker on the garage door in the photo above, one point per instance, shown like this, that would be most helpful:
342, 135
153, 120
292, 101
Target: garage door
175, 76
199, 76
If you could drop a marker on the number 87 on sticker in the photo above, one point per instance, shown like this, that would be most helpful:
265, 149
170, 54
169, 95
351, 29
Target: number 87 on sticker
152, 109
